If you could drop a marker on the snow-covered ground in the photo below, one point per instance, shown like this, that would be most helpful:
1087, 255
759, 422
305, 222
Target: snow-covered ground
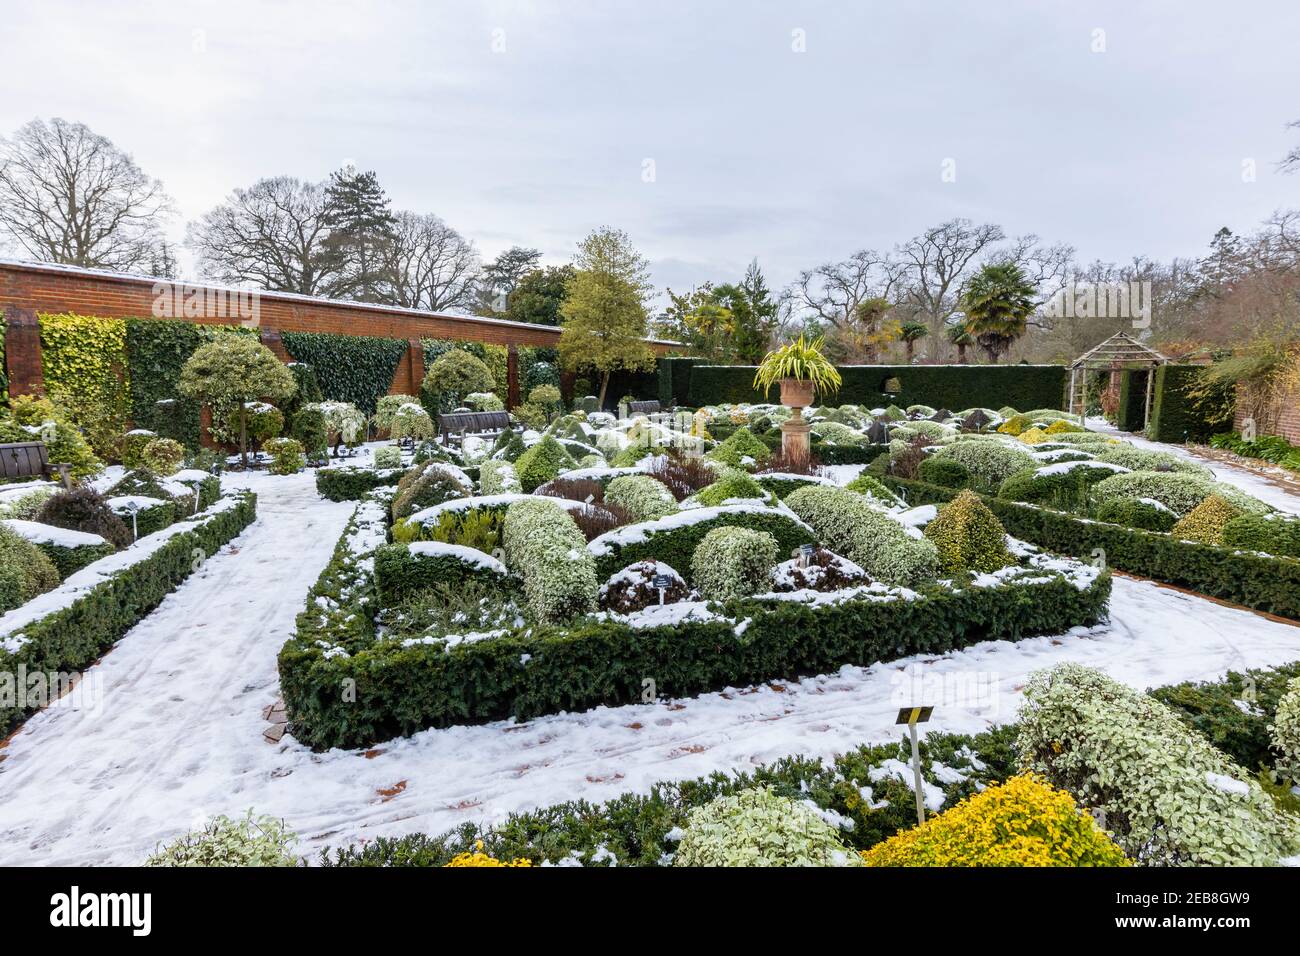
1247, 481
177, 734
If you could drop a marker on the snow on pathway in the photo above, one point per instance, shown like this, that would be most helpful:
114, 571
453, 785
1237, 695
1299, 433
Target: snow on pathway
178, 738
1247, 481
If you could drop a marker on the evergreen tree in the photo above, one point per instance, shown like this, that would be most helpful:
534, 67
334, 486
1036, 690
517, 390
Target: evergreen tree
502, 276
998, 302
360, 220
538, 296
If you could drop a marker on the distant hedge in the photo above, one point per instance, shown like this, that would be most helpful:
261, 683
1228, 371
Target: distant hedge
1174, 418
350, 368
1132, 399
941, 386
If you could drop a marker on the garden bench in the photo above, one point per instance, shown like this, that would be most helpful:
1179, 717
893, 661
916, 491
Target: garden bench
476, 423
30, 459
643, 408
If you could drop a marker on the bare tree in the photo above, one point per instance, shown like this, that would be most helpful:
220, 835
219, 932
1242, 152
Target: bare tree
272, 234
936, 261
429, 265
1291, 161
68, 195
831, 293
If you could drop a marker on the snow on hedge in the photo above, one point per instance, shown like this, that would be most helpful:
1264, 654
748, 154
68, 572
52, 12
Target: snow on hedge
38, 533
642, 531
470, 556
1062, 467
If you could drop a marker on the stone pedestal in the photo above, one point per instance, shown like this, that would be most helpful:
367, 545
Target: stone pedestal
794, 438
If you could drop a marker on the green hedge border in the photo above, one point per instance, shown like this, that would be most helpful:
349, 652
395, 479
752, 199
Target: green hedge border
1264, 583
940, 386
351, 483
75, 636
379, 692
1174, 418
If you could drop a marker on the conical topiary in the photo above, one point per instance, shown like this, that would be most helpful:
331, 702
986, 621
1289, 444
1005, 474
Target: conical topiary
1205, 522
968, 536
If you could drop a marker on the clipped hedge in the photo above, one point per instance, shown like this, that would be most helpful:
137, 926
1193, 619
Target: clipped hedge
1262, 582
940, 386
365, 692
74, 636
402, 570
350, 483
350, 368
673, 542
1174, 418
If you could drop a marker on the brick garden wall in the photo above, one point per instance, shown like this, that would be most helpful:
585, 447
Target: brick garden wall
1288, 419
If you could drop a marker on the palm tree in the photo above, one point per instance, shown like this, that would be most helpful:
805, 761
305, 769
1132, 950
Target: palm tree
910, 333
998, 302
959, 335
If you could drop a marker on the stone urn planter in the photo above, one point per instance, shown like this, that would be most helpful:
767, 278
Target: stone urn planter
802, 371
796, 394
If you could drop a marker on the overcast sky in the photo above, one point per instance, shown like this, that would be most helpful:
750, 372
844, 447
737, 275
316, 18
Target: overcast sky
532, 122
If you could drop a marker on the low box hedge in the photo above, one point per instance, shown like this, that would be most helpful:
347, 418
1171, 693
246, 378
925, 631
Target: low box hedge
76, 634
342, 689
350, 483
401, 570
1258, 581
68, 561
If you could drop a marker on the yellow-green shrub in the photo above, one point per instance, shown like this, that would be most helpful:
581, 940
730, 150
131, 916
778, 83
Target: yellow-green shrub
1023, 822
968, 536
1205, 522
84, 363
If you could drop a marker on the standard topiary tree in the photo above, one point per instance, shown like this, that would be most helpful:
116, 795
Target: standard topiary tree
232, 372
455, 374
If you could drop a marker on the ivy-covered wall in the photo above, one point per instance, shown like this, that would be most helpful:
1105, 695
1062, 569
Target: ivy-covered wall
84, 364
1174, 417
942, 386
350, 368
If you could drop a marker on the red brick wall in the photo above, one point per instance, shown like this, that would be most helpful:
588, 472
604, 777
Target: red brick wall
1288, 420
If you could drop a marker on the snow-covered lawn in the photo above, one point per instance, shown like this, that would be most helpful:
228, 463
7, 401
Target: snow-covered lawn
177, 734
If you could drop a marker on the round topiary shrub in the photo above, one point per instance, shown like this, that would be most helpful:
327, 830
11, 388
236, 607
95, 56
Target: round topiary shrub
733, 562
25, 571
131, 448
431, 486
410, 420
485, 402
163, 456
455, 374
1063, 485
497, 477
758, 828
547, 396
944, 471
741, 448
310, 429
732, 486
989, 462
642, 497
530, 416
1141, 459
1023, 822
1178, 492
875, 489
969, 537
287, 456
84, 509
387, 407
388, 456
264, 421
633, 588
542, 462
1205, 522
1144, 513
1272, 534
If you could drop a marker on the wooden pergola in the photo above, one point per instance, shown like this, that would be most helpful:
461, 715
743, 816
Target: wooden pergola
1120, 351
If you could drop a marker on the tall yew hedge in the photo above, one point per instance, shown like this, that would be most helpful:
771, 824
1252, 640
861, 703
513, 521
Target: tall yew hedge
350, 368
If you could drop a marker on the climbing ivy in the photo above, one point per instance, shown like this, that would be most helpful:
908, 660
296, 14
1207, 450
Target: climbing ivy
156, 351
350, 368
84, 363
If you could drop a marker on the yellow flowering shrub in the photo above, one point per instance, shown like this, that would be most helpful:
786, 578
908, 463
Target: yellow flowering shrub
1033, 436
479, 858
1023, 822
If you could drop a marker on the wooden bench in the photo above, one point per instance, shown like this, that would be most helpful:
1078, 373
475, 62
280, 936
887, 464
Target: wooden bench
30, 459
643, 408
475, 423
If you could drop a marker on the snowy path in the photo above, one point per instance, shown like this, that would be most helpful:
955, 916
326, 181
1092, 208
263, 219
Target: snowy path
178, 738
1247, 481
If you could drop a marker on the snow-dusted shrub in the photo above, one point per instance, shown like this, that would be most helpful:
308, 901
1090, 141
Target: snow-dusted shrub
988, 462
287, 456
1062, 425
1205, 522
968, 536
1145, 513
1274, 534
252, 841
733, 562
542, 462
758, 828
943, 471
825, 571
388, 456
497, 477
732, 486
132, 446
25, 506
544, 546
741, 447
632, 588
485, 402
933, 430
412, 421
1167, 796
432, 485
920, 410
24, 570
387, 407
847, 524
642, 497
1285, 731
1140, 459
163, 456
344, 421
1062, 484
874, 488
82, 508
1022, 822
834, 433
1177, 491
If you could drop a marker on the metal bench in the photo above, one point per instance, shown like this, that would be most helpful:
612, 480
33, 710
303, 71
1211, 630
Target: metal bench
473, 423
30, 459
643, 408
